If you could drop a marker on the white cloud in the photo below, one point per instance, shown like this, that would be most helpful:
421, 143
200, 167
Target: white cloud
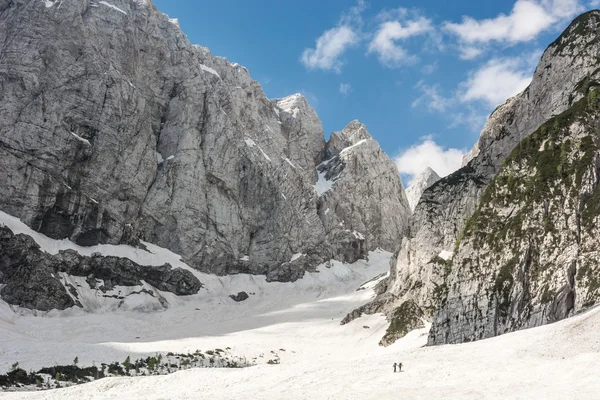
526, 21
345, 88
385, 43
329, 48
496, 81
412, 161
472, 118
469, 52
594, 4
431, 98
333, 43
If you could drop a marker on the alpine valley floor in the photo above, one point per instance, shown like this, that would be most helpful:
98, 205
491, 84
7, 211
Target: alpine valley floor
300, 324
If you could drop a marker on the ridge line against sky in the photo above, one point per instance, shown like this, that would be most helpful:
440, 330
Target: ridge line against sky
422, 75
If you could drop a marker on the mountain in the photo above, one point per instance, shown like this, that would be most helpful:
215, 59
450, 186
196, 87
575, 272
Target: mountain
116, 130
423, 181
506, 242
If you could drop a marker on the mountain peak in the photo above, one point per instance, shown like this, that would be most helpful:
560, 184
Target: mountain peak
585, 25
425, 179
352, 134
292, 104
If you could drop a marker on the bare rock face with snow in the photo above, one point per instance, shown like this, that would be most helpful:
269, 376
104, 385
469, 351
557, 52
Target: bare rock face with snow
115, 128
34, 279
423, 181
446, 276
366, 200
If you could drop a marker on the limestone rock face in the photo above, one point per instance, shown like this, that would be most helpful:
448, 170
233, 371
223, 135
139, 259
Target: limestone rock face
427, 261
423, 181
361, 196
116, 129
528, 256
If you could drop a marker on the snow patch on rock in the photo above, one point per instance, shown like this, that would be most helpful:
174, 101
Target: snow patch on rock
107, 4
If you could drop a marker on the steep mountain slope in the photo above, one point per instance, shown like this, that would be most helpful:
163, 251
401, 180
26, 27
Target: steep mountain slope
423, 181
423, 273
529, 254
116, 129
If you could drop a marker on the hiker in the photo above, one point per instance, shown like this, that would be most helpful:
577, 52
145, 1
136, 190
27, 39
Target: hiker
394, 367
399, 367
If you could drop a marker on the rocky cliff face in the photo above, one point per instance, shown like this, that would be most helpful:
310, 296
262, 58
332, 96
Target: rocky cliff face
528, 256
424, 272
365, 191
423, 181
115, 128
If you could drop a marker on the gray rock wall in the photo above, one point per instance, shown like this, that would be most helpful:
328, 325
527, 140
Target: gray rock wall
115, 128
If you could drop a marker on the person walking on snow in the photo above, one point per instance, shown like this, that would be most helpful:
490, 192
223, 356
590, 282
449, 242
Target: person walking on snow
399, 367
394, 367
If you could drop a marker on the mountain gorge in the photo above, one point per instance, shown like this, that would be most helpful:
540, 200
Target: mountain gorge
117, 133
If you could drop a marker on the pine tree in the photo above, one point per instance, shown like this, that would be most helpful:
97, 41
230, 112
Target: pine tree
592, 99
127, 364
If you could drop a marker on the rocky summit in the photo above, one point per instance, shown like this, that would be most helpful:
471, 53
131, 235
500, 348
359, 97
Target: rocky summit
427, 178
115, 129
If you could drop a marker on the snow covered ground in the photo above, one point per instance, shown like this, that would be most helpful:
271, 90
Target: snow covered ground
321, 360
300, 322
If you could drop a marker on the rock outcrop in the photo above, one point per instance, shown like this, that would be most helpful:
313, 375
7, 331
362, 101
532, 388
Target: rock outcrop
116, 129
32, 278
241, 296
426, 273
423, 181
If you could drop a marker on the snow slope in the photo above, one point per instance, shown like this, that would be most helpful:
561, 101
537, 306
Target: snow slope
36, 339
552, 362
320, 359
300, 323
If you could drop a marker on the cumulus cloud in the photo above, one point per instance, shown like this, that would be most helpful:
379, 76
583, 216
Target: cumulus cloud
526, 21
431, 98
469, 52
412, 161
386, 41
329, 48
345, 88
333, 43
496, 81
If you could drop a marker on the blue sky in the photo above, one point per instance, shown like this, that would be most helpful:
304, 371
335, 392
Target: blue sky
421, 75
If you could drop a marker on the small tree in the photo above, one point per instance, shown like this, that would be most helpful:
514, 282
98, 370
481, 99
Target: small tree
127, 364
76, 361
14, 367
592, 99
151, 363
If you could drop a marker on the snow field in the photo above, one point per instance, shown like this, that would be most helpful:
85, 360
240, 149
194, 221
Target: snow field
300, 323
